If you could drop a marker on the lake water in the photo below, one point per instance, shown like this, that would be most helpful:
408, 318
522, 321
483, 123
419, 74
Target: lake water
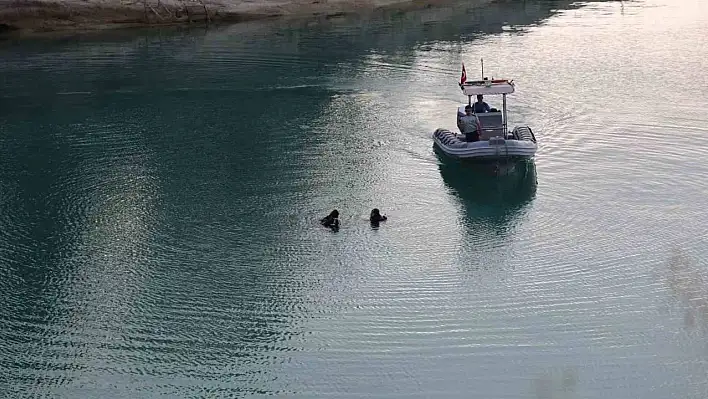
160, 191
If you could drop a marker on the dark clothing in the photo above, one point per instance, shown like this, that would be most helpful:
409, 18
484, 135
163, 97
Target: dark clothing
480, 107
472, 136
330, 222
377, 218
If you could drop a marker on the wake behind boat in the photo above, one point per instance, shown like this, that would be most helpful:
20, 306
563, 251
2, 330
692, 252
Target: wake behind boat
483, 130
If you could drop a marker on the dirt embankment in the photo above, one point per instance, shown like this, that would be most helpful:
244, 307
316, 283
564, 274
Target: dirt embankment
31, 16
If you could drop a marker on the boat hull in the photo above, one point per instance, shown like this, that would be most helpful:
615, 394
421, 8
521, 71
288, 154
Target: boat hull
522, 146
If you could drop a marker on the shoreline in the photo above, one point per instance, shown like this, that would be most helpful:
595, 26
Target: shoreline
23, 18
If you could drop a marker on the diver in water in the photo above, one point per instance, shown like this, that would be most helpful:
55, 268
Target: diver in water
331, 220
376, 217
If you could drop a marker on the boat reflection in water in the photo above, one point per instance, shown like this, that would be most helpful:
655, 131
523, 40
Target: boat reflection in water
494, 197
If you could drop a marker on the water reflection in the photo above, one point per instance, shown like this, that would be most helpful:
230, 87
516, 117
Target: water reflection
492, 195
556, 383
688, 283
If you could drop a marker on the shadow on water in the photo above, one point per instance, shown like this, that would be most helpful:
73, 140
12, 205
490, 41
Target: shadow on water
688, 283
493, 195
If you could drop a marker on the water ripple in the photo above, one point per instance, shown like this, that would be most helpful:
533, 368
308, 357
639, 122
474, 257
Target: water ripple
161, 196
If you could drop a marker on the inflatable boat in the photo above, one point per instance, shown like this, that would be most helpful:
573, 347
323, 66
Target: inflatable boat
483, 132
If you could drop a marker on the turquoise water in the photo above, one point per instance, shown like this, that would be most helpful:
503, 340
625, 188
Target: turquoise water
160, 191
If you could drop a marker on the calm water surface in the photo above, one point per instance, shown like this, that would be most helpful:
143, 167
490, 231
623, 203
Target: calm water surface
159, 197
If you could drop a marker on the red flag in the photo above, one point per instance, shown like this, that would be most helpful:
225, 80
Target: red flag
463, 78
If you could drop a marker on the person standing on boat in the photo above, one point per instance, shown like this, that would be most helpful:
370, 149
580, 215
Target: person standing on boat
468, 125
480, 106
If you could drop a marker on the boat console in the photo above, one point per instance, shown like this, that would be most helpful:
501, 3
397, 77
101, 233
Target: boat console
492, 125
